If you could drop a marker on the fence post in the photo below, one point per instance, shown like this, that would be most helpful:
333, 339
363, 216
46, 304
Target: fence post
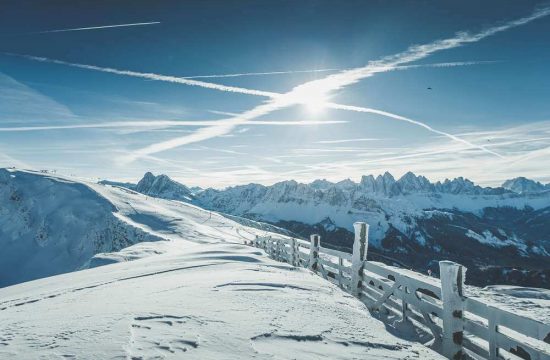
452, 284
340, 272
281, 250
315, 243
359, 256
294, 252
492, 325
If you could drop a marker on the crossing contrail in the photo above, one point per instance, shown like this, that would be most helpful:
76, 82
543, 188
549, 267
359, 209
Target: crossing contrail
152, 76
320, 89
316, 90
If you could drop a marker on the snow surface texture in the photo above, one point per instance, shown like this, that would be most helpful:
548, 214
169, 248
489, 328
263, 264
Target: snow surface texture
51, 224
211, 301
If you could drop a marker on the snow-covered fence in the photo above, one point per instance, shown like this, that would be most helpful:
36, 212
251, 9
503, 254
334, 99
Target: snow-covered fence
461, 326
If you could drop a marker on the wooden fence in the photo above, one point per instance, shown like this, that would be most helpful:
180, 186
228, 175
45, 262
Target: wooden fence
461, 326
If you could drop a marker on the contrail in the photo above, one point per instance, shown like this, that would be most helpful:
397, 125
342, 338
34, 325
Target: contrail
152, 76
411, 121
288, 72
272, 95
185, 79
320, 89
164, 123
317, 90
96, 27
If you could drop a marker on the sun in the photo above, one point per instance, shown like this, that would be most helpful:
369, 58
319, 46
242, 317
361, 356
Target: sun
315, 104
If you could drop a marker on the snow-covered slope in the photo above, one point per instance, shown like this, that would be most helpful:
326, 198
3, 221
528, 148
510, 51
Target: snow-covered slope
51, 224
210, 301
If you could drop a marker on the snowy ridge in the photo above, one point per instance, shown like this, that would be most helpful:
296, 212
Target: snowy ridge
211, 301
51, 224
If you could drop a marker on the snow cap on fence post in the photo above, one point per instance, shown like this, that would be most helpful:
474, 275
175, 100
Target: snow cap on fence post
314, 251
359, 256
452, 286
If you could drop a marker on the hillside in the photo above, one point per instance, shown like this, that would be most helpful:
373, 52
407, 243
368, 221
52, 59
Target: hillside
210, 301
50, 224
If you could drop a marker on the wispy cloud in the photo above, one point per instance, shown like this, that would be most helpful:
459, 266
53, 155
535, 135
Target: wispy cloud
21, 103
96, 27
346, 140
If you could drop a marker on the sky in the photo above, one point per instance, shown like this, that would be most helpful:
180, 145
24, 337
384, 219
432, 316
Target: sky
221, 93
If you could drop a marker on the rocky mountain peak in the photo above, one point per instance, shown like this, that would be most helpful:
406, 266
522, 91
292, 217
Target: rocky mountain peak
164, 187
522, 185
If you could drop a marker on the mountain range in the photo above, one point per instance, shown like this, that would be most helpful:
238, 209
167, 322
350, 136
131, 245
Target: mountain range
501, 233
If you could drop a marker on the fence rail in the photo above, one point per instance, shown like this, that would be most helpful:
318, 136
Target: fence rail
461, 326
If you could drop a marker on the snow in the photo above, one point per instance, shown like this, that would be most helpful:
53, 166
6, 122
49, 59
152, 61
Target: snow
208, 301
521, 292
54, 224
486, 237
382, 201
527, 302
166, 279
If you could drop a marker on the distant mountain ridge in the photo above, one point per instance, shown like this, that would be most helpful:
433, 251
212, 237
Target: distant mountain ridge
505, 227
385, 184
523, 185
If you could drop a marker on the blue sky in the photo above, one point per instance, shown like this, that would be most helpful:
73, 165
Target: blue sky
487, 110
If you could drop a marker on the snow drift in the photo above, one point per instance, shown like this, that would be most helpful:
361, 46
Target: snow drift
211, 301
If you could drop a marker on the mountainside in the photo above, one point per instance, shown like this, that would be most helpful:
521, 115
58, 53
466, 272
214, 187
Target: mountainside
491, 230
50, 225
502, 234
522, 185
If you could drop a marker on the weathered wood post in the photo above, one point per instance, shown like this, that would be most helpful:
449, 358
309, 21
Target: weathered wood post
315, 243
452, 286
359, 256
340, 272
295, 256
492, 326
281, 249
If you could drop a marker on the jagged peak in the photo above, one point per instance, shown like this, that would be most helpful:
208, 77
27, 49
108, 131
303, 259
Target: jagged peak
522, 184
